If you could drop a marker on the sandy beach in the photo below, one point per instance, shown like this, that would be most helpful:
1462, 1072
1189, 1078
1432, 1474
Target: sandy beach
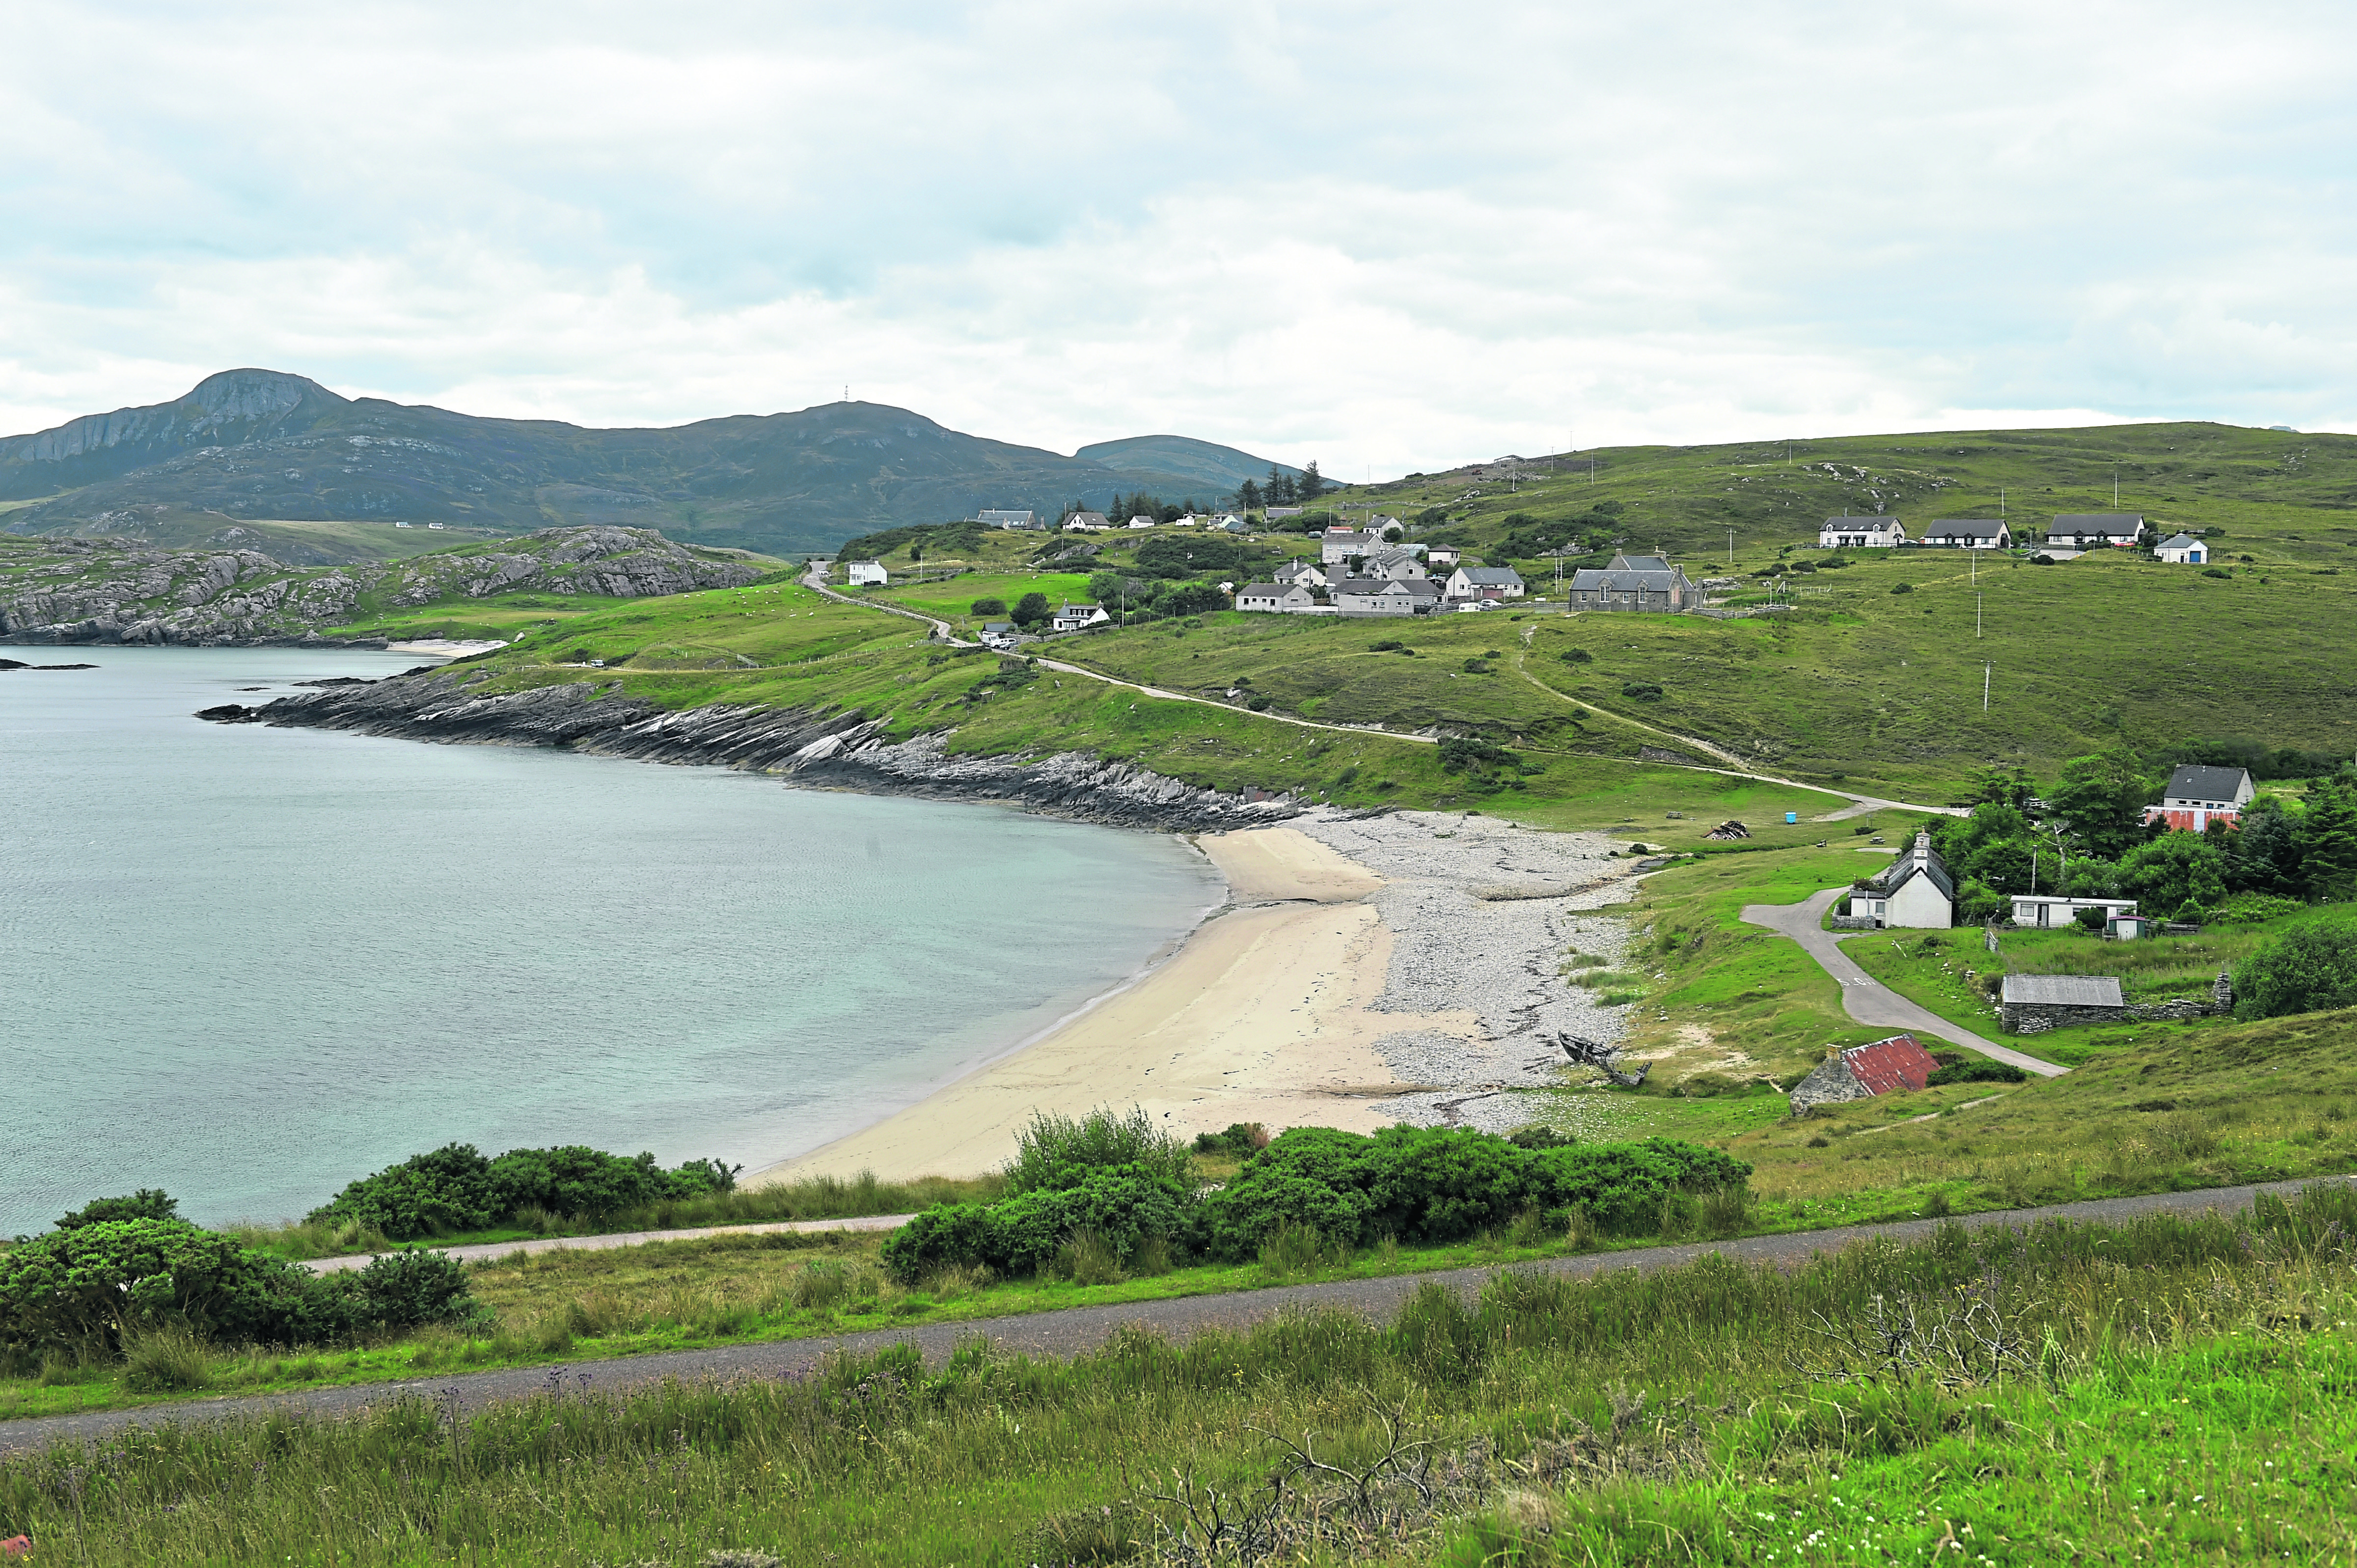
1365, 971
441, 647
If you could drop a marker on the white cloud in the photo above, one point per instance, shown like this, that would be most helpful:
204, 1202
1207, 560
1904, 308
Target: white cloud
1396, 237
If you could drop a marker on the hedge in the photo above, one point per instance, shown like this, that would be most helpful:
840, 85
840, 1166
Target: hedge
454, 1188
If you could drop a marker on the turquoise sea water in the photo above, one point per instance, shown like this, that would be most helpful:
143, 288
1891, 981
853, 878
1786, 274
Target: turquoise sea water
248, 964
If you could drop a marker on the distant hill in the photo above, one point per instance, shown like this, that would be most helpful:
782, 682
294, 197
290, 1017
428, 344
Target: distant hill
1200, 462
254, 447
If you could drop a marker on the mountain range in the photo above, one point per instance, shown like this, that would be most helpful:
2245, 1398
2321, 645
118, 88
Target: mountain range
252, 447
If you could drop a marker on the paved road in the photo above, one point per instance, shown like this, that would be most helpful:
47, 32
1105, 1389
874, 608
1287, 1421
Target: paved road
1081, 1328
476, 1252
1867, 999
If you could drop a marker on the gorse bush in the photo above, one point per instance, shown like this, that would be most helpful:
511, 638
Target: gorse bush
1977, 1072
147, 1203
454, 1188
1123, 1208
1241, 1141
2305, 970
91, 1290
1059, 1150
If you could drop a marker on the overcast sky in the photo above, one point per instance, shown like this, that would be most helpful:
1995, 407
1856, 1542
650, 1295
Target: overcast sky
1386, 237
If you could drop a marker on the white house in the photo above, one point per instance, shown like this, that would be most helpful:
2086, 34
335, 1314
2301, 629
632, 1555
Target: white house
1008, 518
1072, 617
2199, 795
1276, 598
1861, 532
1142, 520
2087, 530
1386, 596
1914, 891
1087, 523
1232, 521
1398, 564
1340, 545
1308, 574
1485, 583
864, 573
1439, 556
2182, 548
1968, 533
2048, 911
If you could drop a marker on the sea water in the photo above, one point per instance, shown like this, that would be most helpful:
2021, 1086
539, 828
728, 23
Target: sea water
247, 964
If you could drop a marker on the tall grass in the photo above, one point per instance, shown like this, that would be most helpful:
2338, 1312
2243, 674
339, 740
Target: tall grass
1054, 1145
1697, 1382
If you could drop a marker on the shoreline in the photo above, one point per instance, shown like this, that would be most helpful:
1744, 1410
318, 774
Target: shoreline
1363, 973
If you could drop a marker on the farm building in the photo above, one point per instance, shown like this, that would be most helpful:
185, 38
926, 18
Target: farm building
2032, 1004
2183, 549
2199, 795
1861, 533
1885, 1067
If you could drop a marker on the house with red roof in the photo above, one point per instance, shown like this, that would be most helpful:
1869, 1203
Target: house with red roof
1861, 1072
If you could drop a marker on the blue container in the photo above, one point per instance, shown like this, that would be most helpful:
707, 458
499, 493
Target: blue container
1791, 817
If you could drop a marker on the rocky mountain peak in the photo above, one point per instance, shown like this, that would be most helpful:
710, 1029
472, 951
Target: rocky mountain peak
254, 394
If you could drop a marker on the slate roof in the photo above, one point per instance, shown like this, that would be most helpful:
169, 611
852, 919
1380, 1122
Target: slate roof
1491, 577
2105, 523
2199, 781
1970, 527
2064, 989
1603, 579
1862, 524
1900, 872
1265, 590
2177, 541
1886, 1065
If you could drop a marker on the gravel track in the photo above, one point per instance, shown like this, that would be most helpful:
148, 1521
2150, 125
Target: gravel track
1078, 1329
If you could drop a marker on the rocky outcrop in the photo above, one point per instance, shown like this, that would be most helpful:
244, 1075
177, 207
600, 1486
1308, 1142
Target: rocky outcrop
843, 751
115, 591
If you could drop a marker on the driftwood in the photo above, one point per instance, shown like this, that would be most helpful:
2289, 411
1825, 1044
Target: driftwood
1604, 1058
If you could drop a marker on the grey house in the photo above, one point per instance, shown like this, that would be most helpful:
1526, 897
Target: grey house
1647, 583
2033, 1004
2087, 530
1969, 533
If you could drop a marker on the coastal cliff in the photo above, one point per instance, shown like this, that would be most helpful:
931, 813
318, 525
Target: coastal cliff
843, 750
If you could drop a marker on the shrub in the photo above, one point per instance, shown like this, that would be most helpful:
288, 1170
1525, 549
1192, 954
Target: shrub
1641, 691
992, 606
147, 1203
1978, 1072
2252, 909
1902, 587
1241, 1140
1059, 1152
454, 1188
1435, 1185
1121, 1207
1577, 656
1460, 753
1389, 645
1538, 1137
1478, 666
84, 1290
1032, 608
2304, 971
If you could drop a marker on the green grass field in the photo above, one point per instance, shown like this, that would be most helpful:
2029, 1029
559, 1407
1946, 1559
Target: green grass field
2166, 1391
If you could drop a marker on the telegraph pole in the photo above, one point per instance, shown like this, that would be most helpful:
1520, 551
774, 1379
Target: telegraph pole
1976, 631
1730, 546
1985, 688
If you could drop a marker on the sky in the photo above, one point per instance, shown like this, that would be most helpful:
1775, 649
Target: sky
1384, 238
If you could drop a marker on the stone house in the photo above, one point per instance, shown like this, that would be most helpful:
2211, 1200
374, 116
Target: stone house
1646, 583
1861, 1072
2033, 1004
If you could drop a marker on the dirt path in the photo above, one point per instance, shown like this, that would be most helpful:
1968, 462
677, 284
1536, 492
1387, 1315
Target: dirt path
1079, 1329
1865, 998
476, 1252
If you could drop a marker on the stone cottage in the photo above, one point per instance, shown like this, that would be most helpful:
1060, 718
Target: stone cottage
2033, 1004
1861, 1072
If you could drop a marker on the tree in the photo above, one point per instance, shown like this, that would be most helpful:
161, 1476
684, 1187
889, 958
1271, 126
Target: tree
2304, 971
1310, 486
2005, 786
1248, 497
2328, 841
2103, 798
989, 606
2174, 871
2263, 855
1280, 486
1032, 608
